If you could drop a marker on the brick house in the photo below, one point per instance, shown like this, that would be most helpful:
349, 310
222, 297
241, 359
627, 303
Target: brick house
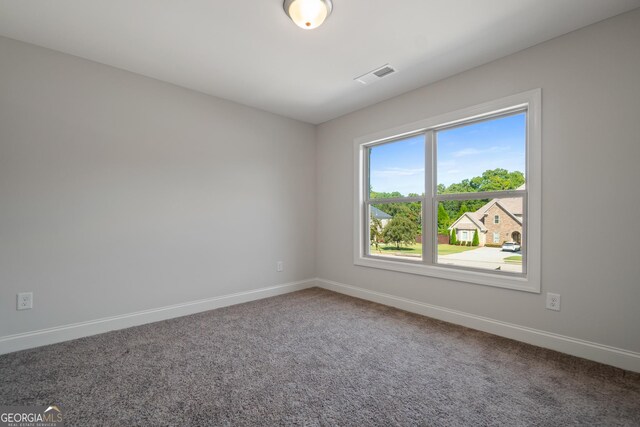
499, 221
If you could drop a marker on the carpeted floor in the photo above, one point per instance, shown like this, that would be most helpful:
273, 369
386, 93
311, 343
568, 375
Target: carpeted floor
315, 358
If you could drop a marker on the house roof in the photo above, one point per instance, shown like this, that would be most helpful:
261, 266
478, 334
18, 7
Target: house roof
469, 221
512, 205
378, 214
472, 220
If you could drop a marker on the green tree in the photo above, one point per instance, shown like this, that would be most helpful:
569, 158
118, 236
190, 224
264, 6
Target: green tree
375, 232
470, 206
490, 180
401, 231
411, 210
476, 239
453, 239
444, 221
498, 179
379, 195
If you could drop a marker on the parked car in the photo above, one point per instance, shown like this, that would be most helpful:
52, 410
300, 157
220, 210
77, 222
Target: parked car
511, 246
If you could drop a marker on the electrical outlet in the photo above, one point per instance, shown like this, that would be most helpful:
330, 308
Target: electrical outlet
25, 301
553, 301
279, 266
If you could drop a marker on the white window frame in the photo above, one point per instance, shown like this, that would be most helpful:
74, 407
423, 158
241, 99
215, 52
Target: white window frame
496, 237
496, 219
529, 280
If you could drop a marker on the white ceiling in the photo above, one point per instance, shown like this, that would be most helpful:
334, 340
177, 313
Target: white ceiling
250, 52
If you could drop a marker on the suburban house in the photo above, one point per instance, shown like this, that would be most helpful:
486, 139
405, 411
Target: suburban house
498, 221
382, 216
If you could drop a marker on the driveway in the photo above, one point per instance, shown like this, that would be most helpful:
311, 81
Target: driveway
487, 258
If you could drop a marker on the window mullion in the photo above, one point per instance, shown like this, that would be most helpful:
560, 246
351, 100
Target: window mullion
395, 200
366, 193
498, 194
427, 204
525, 234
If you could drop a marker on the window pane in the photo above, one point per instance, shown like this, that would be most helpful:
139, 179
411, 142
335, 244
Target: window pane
474, 238
396, 169
395, 230
483, 156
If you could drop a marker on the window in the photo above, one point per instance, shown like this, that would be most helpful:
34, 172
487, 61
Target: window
431, 194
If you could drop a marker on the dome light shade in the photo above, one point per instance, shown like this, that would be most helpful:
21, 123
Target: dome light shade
308, 14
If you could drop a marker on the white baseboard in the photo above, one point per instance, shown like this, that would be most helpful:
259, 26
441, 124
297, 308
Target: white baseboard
613, 356
11, 343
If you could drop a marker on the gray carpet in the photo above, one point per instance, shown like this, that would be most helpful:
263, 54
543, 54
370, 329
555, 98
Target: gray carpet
315, 358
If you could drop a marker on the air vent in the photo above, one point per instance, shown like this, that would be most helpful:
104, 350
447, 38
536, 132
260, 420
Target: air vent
375, 75
384, 71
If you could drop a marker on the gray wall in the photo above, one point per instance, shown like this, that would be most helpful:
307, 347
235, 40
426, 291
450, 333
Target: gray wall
591, 153
121, 193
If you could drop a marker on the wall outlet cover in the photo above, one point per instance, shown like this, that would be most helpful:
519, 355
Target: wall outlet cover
553, 301
25, 301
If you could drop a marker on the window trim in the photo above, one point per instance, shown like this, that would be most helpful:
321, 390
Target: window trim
530, 280
496, 219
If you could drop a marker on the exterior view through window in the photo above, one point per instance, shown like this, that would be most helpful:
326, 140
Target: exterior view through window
453, 196
397, 175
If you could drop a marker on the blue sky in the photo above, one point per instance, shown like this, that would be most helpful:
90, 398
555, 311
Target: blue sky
398, 166
463, 153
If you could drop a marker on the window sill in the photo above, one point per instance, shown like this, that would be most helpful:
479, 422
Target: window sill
526, 284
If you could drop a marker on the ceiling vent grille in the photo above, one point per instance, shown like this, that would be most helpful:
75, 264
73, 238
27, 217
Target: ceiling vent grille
375, 75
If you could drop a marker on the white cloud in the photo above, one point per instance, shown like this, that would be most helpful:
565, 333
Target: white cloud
466, 152
397, 172
474, 151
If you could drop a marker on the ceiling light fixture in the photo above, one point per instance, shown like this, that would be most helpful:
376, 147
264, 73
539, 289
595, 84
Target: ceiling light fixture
308, 14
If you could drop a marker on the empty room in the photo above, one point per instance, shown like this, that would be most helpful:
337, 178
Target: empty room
319, 213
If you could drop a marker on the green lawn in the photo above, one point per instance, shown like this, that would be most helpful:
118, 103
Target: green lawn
452, 249
516, 259
413, 250
416, 250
